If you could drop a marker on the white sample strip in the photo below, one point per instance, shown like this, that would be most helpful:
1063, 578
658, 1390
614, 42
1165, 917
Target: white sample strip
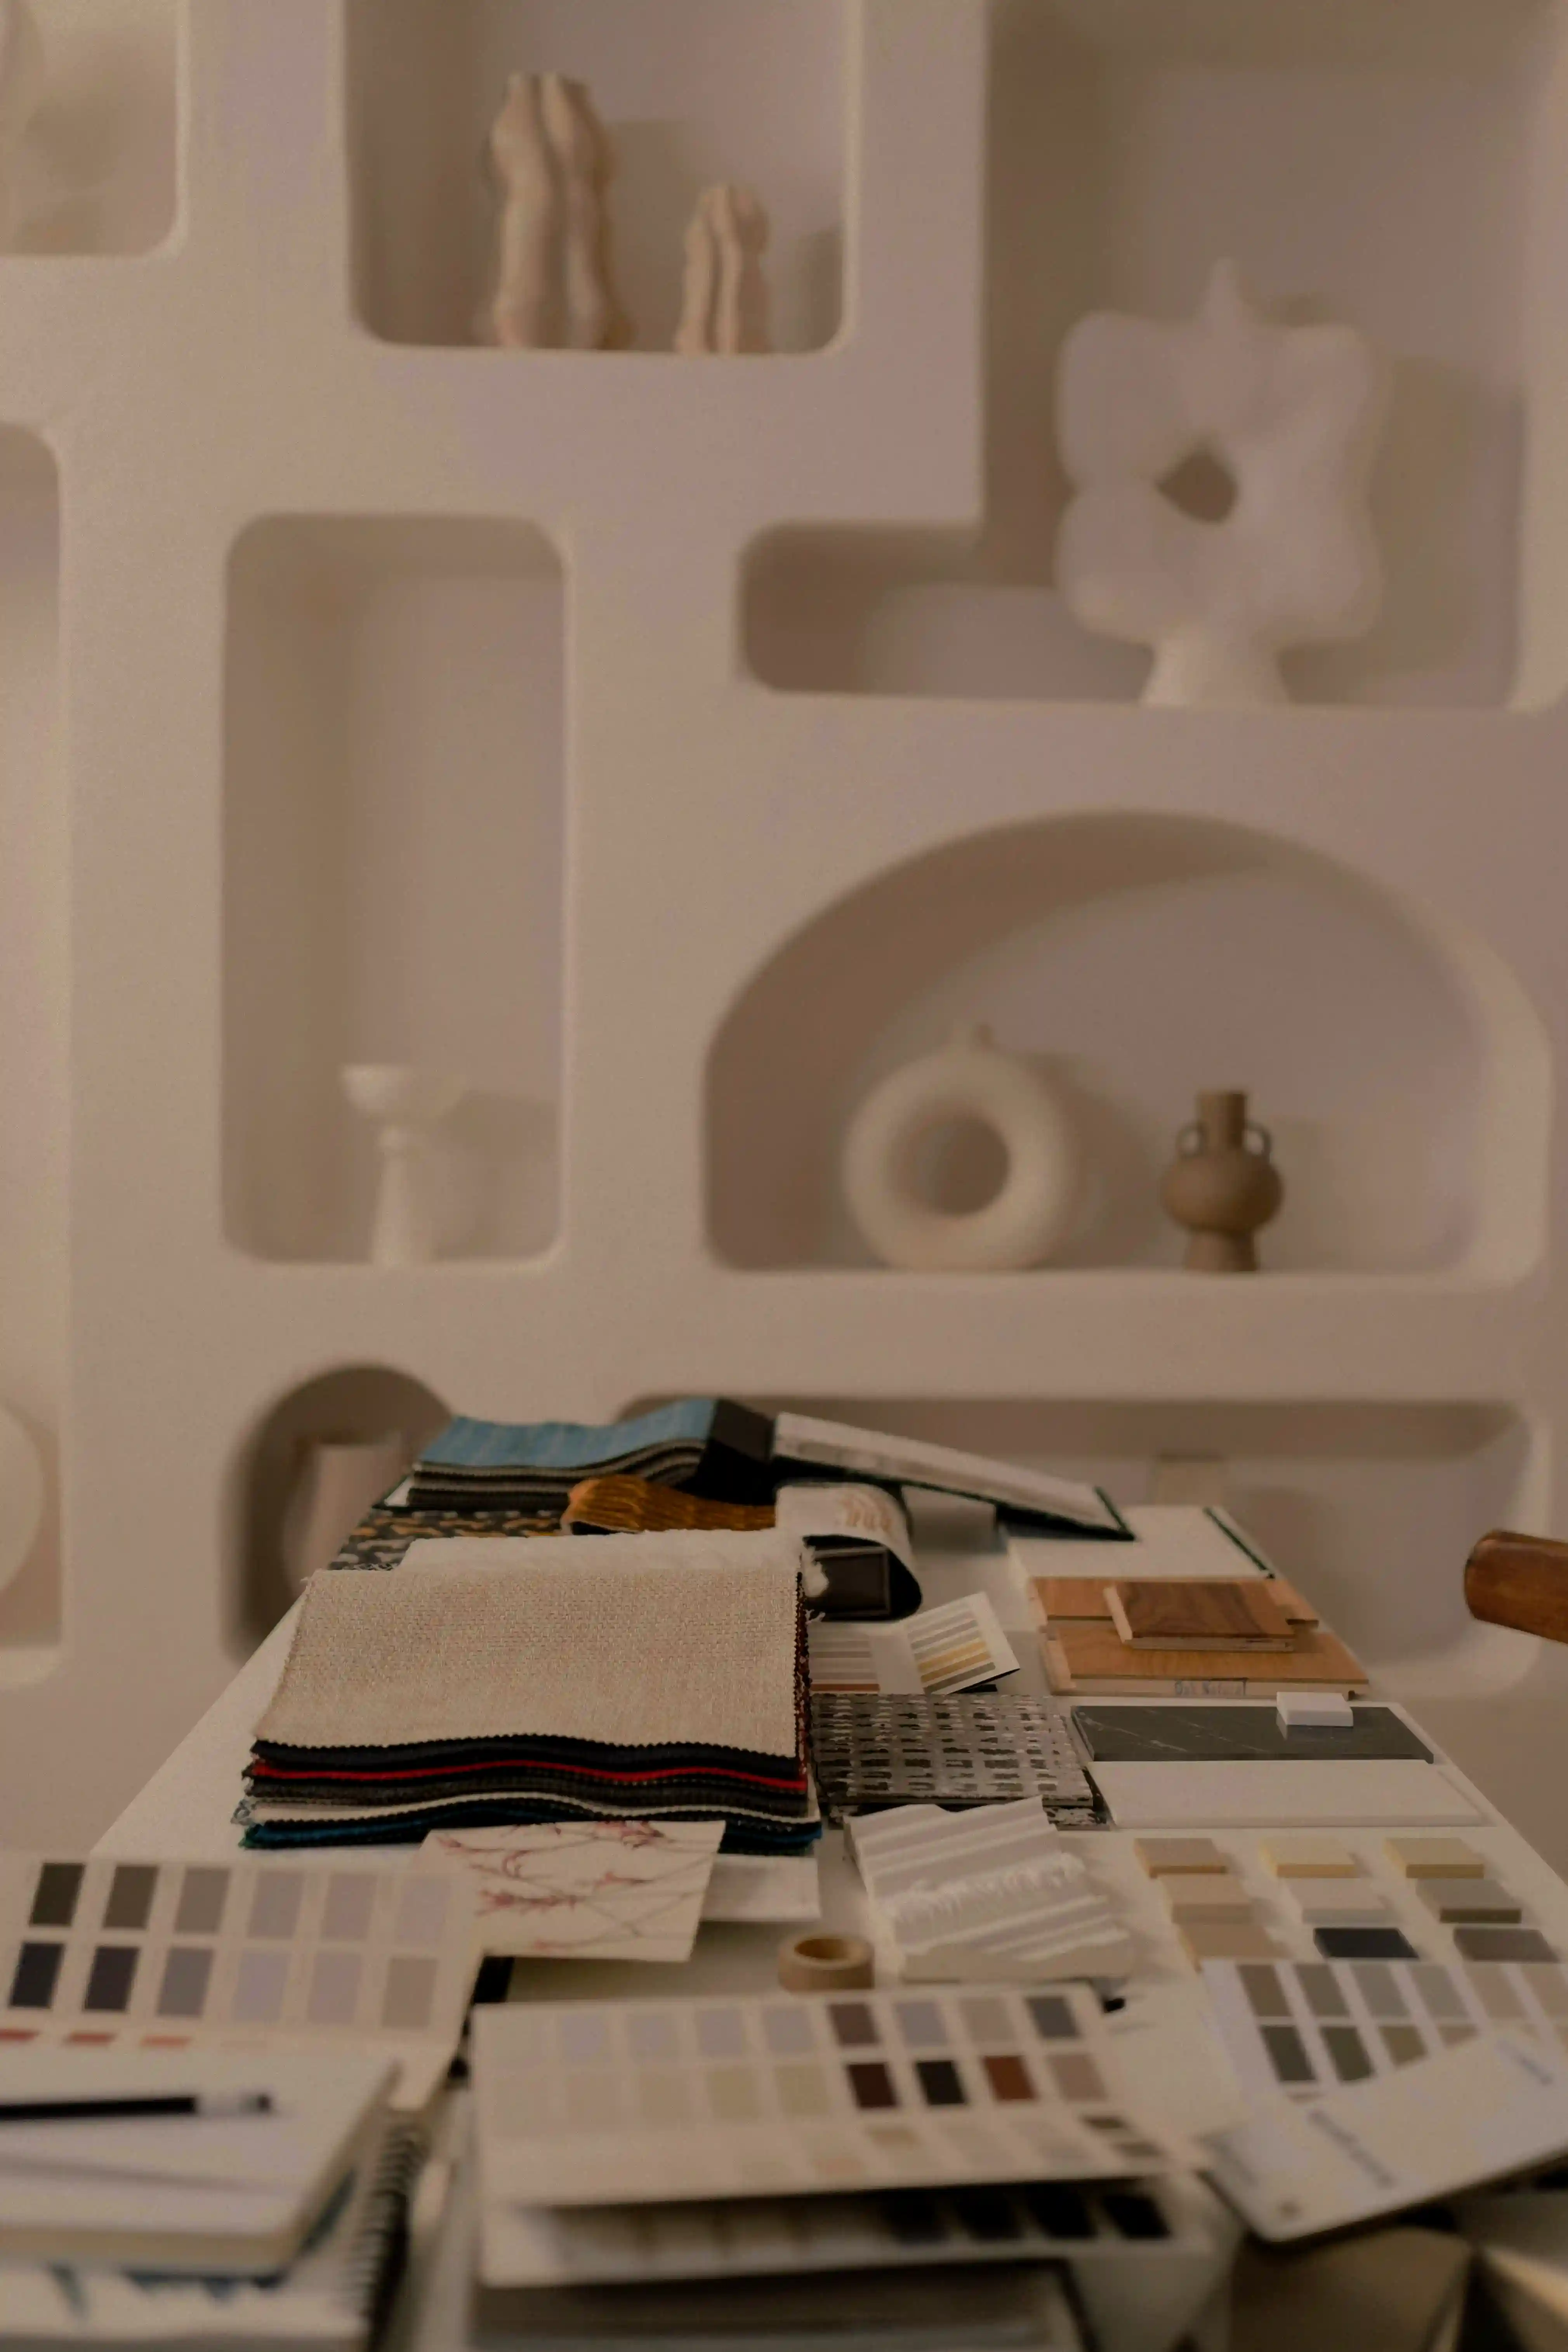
584, 1890
745, 1887
957, 1647
1183, 1542
905, 1461
1497, 2104
603, 2102
1334, 1794
994, 1892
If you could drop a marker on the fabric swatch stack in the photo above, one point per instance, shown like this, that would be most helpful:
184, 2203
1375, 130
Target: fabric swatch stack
635, 1678
708, 1446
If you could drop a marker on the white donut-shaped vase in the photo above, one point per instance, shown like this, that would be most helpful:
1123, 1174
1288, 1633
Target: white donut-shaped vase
971, 1079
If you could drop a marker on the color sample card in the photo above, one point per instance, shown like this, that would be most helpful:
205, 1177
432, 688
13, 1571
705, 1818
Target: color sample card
1497, 2104
989, 1895
965, 1750
584, 1890
956, 1647
167, 1955
1306, 2027
602, 2103
534, 2246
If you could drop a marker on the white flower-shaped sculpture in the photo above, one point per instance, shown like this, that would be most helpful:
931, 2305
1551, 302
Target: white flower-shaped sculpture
1293, 415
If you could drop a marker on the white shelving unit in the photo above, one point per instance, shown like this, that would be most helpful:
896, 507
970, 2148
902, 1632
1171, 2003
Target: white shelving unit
671, 745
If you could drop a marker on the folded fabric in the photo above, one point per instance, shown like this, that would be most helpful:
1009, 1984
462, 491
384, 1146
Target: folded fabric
640, 1676
860, 1537
710, 1446
627, 1650
274, 1829
622, 1505
385, 1534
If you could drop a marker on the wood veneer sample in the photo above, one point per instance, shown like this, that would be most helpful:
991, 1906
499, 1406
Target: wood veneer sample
1055, 1597
1206, 1616
1091, 1659
1519, 1581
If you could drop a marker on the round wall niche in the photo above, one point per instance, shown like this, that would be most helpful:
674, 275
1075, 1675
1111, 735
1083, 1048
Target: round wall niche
1140, 958
359, 1407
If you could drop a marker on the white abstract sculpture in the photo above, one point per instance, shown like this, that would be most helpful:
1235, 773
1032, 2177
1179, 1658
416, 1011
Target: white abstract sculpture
21, 87
969, 1079
407, 1106
725, 303
555, 285
1293, 414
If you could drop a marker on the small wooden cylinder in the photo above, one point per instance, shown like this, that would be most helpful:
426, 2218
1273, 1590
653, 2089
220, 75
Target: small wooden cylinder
1519, 1581
826, 1964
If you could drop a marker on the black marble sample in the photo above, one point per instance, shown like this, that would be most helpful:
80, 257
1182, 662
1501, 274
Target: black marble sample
1365, 1944
1154, 1733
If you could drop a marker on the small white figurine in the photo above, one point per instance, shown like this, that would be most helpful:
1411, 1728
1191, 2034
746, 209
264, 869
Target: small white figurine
724, 305
554, 286
21, 88
1293, 414
407, 1106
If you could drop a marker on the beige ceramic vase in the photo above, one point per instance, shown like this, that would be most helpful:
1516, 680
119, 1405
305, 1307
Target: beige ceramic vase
1222, 1185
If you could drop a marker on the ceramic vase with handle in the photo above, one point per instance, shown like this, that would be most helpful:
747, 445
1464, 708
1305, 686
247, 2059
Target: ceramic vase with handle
1222, 1185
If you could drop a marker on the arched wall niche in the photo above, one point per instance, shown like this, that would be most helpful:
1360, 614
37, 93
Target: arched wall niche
357, 1402
1403, 1071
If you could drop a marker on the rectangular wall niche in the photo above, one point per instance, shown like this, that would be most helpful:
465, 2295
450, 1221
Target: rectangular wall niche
393, 859
1399, 167
691, 91
97, 169
35, 1022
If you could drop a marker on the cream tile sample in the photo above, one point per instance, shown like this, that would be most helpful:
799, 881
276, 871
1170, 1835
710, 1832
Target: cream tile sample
1308, 1857
1205, 1894
1227, 1940
1162, 1856
1340, 1903
1434, 1857
1469, 1900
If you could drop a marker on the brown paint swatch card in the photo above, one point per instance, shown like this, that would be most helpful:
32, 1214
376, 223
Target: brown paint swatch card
1217, 1616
